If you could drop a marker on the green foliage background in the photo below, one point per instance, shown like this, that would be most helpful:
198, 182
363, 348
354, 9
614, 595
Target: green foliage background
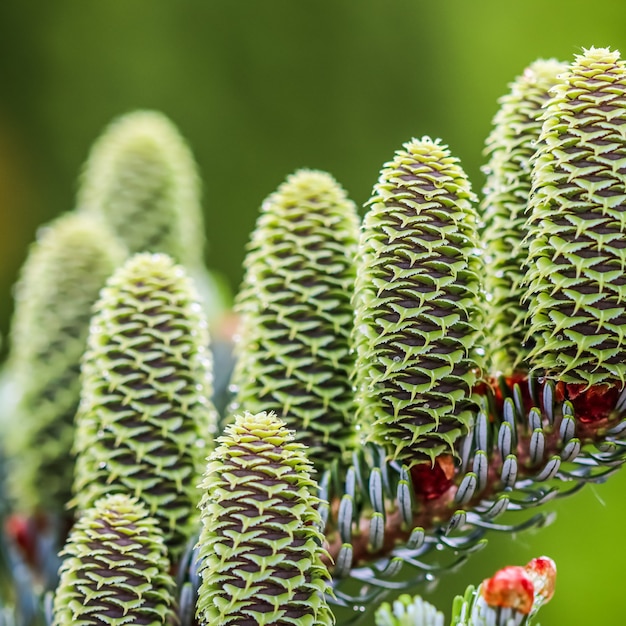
262, 88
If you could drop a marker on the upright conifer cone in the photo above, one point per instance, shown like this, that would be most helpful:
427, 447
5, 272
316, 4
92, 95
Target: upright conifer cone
510, 146
260, 544
293, 355
115, 570
60, 281
417, 304
141, 178
145, 420
577, 228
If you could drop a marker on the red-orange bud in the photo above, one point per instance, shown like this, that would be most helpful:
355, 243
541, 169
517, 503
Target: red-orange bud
542, 572
510, 587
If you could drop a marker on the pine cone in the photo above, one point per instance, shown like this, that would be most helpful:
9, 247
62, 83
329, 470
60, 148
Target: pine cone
293, 353
141, 179
577, 260
260, 554
145, 418
417, 305
115, 570
59, 283
510, 146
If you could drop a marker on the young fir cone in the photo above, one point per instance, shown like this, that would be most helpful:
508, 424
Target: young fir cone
577, 258
141, 178
293, 354
408, 611
145, 421
59, 283
510, 146
260, 545
417, 305
115, 570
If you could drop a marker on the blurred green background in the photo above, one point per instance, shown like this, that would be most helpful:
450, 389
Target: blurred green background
263, 88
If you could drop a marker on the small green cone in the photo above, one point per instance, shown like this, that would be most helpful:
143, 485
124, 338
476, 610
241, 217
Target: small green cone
417, 305
408, 611
577, 258
145, 420
294, 354
260, 545
510, 146
60, 281
141, 178
115, 570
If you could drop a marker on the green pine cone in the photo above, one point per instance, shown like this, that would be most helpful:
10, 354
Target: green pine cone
115, 570
294, 355
260, 545
60, 281
142, 179
510, 146
408, 611
145, 418
576, 230
417, 305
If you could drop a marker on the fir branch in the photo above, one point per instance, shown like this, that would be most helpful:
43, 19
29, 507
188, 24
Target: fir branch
116, 569
145, 419
526, 447
417, 305
59, 283
260, 552
293, 351
510, 146
532, 439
